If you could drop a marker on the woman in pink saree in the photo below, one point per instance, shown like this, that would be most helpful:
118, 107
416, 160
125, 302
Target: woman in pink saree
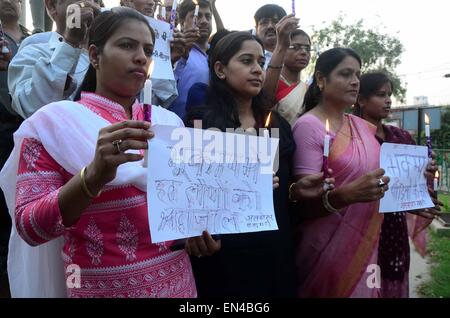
337, 240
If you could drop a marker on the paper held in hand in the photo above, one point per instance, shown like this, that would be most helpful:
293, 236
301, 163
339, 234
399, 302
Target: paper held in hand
405, 165
209, 180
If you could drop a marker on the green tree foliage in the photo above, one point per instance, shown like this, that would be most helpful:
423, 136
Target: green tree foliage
378, 51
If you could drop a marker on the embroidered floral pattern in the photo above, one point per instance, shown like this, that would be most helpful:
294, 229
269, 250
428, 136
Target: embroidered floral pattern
31, 152
127, 238
94, 101
166, 276
72, 248
95, 244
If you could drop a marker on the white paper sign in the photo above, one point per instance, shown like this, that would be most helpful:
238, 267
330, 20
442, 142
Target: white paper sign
405, 165
207, 180
161, 54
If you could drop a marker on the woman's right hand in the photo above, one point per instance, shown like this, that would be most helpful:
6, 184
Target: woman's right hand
366, 188
204, 245
285, 27
127, 135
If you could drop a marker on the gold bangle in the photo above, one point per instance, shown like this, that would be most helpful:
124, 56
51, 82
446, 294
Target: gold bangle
326, 203
290, 193
84, 186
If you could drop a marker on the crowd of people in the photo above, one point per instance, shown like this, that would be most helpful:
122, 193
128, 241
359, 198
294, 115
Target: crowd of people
73, 136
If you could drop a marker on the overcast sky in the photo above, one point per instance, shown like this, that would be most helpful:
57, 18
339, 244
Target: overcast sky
422, 27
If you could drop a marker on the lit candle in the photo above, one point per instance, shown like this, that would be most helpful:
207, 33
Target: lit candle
436, 181
293, 7
147, 112
5, 49
428, 135
197, 8
148, 92
267, 126
326, 149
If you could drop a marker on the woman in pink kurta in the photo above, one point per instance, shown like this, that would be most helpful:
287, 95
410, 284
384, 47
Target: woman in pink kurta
337, 239
111, 242
104, 221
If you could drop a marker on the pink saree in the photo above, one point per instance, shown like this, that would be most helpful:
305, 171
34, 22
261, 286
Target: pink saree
334, 253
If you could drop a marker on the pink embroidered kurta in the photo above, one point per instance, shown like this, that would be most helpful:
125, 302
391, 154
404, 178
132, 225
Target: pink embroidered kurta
111, 243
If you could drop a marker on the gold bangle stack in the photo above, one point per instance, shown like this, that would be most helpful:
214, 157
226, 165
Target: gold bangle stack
84, 186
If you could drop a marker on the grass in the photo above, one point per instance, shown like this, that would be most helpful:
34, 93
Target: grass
439, 285
445, 198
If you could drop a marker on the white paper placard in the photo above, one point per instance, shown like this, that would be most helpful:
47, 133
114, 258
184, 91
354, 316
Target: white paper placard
195, 186
405, 165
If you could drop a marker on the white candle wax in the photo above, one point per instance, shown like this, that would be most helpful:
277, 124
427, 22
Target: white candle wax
326, 145
163, 13
266, 133
427, 131
435, 185
148, 101
148, 92
197, 8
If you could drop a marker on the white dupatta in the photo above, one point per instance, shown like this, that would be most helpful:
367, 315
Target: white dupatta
291, 106
68, 131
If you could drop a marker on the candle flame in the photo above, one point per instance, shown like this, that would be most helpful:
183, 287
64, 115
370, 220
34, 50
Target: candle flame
195, 2
151, 68
427, 119
436, 176
327, 126
268, 120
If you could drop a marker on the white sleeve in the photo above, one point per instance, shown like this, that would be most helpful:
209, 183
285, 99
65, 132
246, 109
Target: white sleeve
35, 80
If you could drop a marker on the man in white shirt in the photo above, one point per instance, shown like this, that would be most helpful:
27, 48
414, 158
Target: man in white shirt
53, 64
266, 19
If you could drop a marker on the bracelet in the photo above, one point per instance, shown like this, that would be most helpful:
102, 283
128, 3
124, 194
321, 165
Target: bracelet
327, 204
275, 67
291, 190
84, 186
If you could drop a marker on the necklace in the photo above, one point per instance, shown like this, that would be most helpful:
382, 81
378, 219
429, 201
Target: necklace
345, 121
351, 136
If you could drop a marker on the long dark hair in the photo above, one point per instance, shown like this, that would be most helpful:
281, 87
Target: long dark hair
325, 64
221, 110
102, 28
370, 84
